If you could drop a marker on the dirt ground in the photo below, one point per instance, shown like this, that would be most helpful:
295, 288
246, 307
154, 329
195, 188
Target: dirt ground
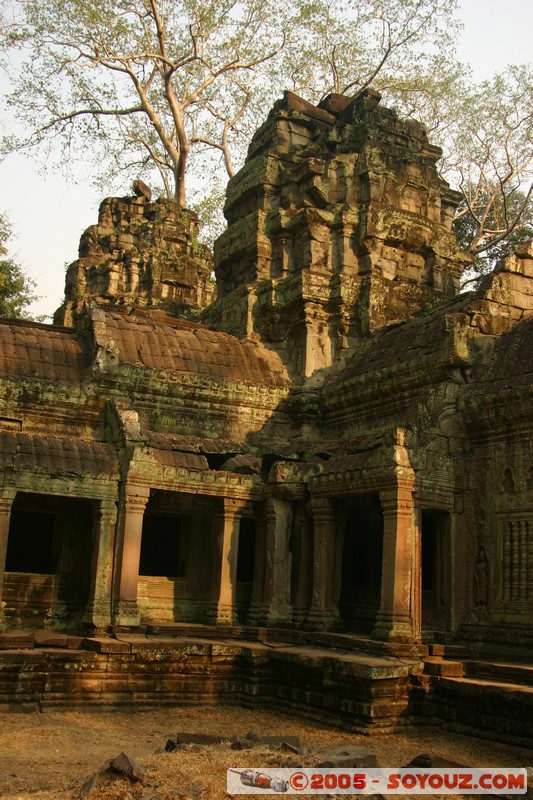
48, 756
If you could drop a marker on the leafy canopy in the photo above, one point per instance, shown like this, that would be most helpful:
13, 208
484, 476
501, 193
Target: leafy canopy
16, 289
139, 84
167, 89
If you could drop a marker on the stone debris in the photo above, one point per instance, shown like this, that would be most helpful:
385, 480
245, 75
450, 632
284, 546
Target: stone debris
348, 756
239, 743
121, 766
434, 761
140, 189
286, 744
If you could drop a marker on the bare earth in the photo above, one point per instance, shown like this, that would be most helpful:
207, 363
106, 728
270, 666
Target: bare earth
47, 756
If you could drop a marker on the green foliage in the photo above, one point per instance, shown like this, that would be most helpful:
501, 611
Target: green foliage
160, 89
501, 240
16, 289
488, 144
140, 83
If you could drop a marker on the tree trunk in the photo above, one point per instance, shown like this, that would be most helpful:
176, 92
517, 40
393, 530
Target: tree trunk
180, 195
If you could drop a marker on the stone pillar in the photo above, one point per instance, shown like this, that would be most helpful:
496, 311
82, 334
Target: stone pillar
6, 501
224, 584
98, 611
416, 579
398, 620
136, 498
277, 608
303, 573
324, 612
256, 602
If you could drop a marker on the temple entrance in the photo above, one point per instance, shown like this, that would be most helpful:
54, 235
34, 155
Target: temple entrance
361, 563
435, 569
164, 546
175, 559
245, 567
48, 560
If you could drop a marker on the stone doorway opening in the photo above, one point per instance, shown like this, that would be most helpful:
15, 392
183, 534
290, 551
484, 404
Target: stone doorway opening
435, 573
245, 567
361, 524
176, 557
164, 546
48, 560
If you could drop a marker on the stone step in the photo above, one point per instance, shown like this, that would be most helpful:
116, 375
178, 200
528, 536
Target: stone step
500, 672
482, 683
364, 693
329, 639
435, 665
485, 708
485, 651
17, 640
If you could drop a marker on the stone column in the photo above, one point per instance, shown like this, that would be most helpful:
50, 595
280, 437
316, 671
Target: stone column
227, 520
302, 591
324, 612
6, 501
98, 611
256, 602
277, 608
136, 498
397, 618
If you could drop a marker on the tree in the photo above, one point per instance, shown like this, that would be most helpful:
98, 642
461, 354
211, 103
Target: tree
496, 222
179, 86
490, 158
16, 289
141, 83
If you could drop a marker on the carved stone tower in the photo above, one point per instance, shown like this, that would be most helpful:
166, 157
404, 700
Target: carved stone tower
338, 224
140, 254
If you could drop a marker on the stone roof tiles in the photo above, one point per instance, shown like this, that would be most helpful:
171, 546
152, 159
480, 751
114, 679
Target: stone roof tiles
146, 343
41, 351
59, 455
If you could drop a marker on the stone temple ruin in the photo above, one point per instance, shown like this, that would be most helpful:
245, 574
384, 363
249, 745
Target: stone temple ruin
313, 490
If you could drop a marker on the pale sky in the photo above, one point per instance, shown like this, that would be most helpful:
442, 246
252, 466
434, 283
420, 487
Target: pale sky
48, 214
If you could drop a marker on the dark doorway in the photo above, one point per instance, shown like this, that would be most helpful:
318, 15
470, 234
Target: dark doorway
245, 566
435, 571
361, 563
48, 561
175, 563
164, 546
32, 545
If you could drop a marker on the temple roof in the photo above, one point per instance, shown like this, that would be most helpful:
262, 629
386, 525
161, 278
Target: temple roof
45, 352
57, 454
184, 347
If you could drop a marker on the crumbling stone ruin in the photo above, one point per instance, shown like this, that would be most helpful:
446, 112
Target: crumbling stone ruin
314, 490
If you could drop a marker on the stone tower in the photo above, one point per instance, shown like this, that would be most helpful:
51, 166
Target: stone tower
338, 224
140, 253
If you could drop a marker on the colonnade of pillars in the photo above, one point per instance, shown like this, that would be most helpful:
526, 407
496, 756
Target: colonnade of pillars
399, 615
